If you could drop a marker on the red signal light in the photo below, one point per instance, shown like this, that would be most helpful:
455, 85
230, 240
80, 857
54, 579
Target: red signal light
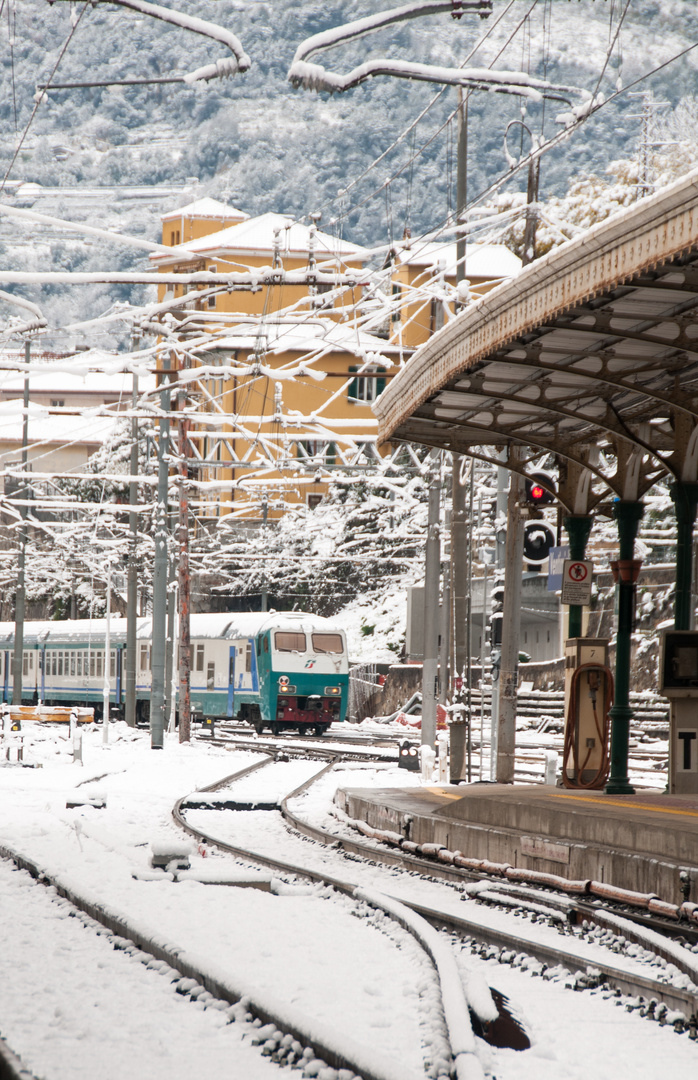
537, 492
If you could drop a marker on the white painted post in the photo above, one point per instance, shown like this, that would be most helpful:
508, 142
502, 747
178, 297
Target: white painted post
107, 663
443, 757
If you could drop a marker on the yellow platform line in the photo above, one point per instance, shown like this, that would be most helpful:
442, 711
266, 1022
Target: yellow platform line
625, 803
444, 794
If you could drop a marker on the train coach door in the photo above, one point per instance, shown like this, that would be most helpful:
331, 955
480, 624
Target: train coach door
231, 680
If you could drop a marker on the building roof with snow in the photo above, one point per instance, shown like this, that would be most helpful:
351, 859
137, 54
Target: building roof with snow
310, 335
256, 236
206, 208
481, 260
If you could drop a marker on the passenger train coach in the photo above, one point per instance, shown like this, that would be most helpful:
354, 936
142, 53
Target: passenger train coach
273, 669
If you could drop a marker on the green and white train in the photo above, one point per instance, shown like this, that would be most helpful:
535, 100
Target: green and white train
275, 670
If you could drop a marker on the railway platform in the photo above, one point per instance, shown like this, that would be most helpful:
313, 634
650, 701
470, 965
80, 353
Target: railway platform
640, 842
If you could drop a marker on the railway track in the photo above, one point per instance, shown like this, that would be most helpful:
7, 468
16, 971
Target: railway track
557, 908
551, 942
531, 756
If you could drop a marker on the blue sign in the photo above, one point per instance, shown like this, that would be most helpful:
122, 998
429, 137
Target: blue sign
556, 560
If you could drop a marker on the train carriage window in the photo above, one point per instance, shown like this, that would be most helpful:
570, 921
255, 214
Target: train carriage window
144, 658
60, 663
79, 665
72, 665
92, 664
52, 662
100, 664
199, 658
248, 656
25, 663
112, 664
210, 676
289, 641
328, 643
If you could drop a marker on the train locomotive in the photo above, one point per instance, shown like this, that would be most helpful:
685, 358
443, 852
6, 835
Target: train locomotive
275, 670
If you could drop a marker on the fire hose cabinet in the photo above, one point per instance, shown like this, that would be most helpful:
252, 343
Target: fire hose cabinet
678, 681
588, 699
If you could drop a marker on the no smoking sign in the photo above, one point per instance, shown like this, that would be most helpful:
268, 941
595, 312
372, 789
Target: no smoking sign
576, 581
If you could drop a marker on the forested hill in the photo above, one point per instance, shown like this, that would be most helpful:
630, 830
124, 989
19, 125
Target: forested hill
254, 141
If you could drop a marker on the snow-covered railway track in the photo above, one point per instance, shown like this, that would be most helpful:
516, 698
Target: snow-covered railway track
558, 910
285, 1034
96, 986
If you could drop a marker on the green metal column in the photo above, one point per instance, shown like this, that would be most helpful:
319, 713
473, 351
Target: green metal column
578, 530
685, 496
626, 570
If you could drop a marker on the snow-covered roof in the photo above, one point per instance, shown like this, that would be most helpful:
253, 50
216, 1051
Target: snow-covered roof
206, 208
247, 624
298, 335
481, 260
53, 378
49, 632
242, 624
255, 236
49, 428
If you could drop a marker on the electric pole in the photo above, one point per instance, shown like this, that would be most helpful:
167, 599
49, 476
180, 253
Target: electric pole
184, 576
23, 492
159, 620
430, 668
132, 578
511, 623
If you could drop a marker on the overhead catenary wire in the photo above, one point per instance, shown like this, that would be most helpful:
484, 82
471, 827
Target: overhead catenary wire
626, 88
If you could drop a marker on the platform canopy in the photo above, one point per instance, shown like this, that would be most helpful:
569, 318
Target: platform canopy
591, 353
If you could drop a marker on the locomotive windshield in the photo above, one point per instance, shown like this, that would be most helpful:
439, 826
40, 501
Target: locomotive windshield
328, 643
289, 641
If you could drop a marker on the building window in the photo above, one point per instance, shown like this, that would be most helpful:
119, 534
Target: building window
314, 500
368, 388
397, 297
57, 403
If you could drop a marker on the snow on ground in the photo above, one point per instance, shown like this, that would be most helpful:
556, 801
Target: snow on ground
73, 1007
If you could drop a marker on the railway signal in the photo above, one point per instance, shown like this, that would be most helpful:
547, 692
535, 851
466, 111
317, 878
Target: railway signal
539, 540
539, 489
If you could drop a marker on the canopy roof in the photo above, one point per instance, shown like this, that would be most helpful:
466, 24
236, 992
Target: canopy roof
591, 353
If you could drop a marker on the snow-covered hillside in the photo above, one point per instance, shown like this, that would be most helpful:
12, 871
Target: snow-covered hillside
256, 142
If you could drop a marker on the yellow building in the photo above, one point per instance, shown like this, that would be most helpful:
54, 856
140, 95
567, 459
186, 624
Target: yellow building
288, 376
287, 373
424, 284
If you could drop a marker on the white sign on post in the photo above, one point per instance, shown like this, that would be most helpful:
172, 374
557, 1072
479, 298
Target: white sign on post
576, 581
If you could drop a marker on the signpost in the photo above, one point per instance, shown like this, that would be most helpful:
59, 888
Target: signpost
576, 581
556, 560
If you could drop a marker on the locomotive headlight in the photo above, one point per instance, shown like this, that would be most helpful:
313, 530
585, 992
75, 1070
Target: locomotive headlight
285, 688
333, 691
